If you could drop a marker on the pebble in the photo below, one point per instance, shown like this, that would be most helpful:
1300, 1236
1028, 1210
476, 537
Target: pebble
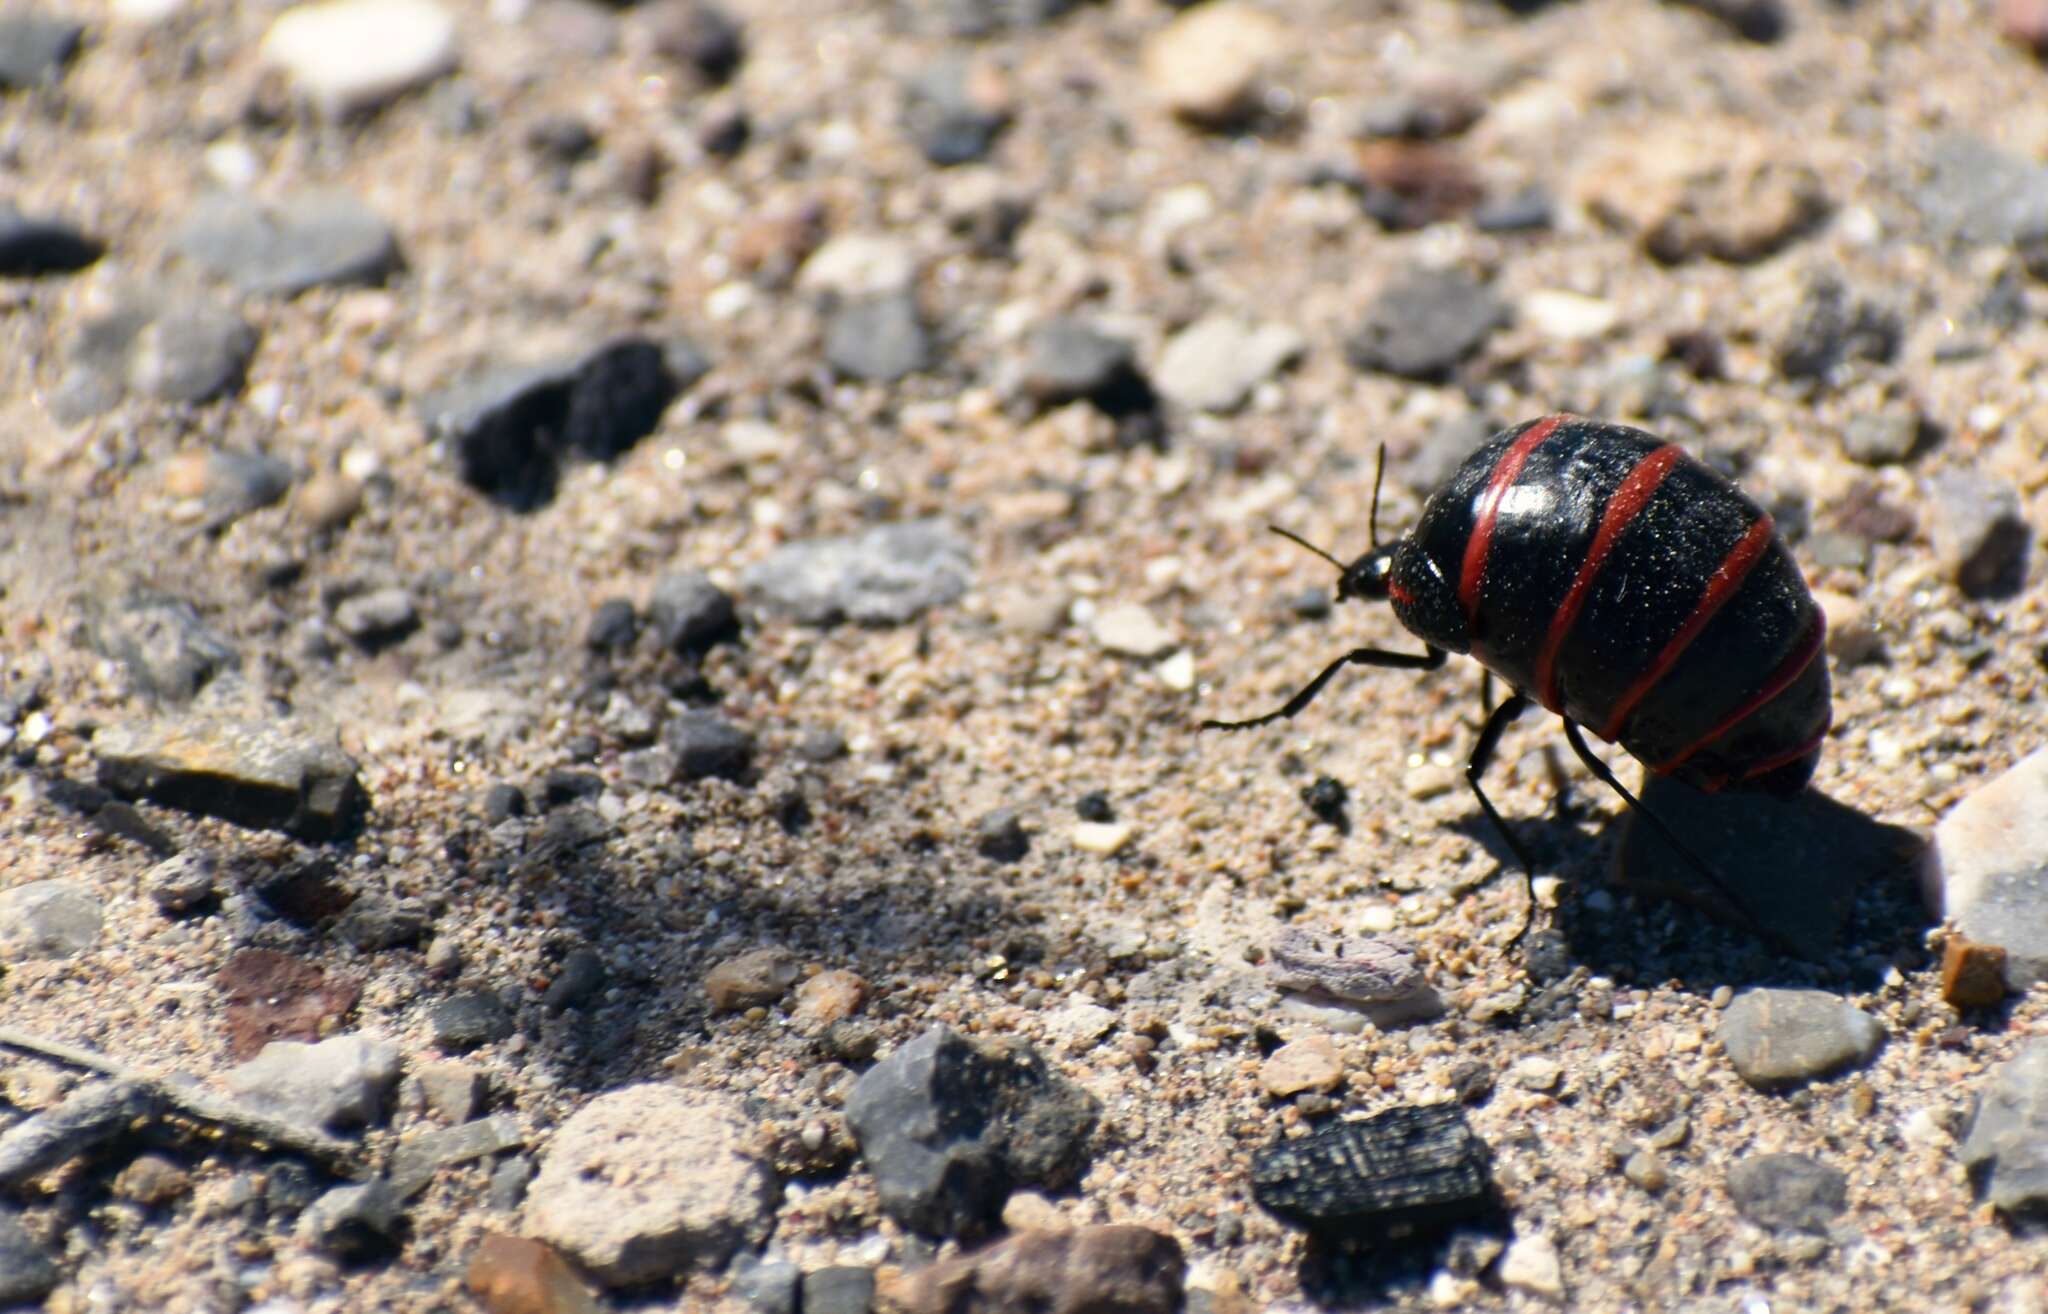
613, 626
1128, 629
1980, 535
2008, 1126
1787, 1191
701, 37
1409, 1163
227, 485
152, 1179
1530, 210
1067, 360
942, 1126
838, 1289
1780, 1038
885, 576
1740, 212
35, 49
1986, 871
1884, 437
1119, 1267
1102, 837
1363, 969
706, 745
1568, 316
1311, 1063
1214, 363
1979, 194
31, 247
755, 979
1210, 65
648, 1181
1424, 324
1852, 635
856, 265
999, 836
469, 1021
376, 922
168, 651
48, 920
181, 351
419, 1157
768, 1286
956, 107
345, 1081
1972, 974
27, 1274
1531, 1263
181, 882
578, 983
351, 56
1831, 327
688, 613
1536, 1072
378, 618
91, 1115
353, 1221
828, 998
452, 1090
878, 339
284, 248
269, 775
1645, 1169
518, 1275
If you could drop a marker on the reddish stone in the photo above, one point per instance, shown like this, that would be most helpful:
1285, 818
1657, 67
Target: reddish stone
516, 1275
1972, 974
274, 996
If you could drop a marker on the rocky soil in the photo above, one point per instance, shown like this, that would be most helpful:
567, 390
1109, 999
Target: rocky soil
604, 612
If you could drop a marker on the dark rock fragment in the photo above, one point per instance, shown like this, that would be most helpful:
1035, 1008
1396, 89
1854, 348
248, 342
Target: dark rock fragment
1411, 1164
1788, 1191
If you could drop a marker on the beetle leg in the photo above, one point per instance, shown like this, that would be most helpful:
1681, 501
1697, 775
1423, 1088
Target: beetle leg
1475, 766
1600, 769
1427, 660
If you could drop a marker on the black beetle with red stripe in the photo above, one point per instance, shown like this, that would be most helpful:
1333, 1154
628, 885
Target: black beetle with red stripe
1608, 576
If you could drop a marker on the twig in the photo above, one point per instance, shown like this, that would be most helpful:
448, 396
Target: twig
227, 1114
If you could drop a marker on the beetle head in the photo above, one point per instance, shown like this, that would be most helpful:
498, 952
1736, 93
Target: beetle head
1369, 576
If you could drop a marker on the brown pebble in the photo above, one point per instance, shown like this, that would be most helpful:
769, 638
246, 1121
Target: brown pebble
515, 1275
1114, 1266
755, 979
328, 501
1972, 974
151, 1179
828, 997
1311, 1063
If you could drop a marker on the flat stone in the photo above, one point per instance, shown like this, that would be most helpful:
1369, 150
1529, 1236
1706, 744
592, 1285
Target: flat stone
1782, 1038
1788, 1191
48, 920
1424, 324
1119, 1267
518, 1275
1987, 869
1362, 969
93, 1114
345, 1081
1214, 363
828, 998
859, 264
353, 1221
838, 1289
1069, 359
419, 1157
267, 775
468, 1021
1531, 1263
1977, 193
350, 56
2005, 1146
283, 248
1884, 437
183, 881
689, 614
885, 576
650, 1181
754, 979
1310, 1063
1411, 1163
378, 617
1129, 629
707, 745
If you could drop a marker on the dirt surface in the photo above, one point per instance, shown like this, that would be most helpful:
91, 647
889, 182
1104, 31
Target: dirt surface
1140, 224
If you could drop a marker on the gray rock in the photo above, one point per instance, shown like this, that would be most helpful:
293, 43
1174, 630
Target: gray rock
464, 1022
1977, 193
885, 576
689, 613
1980, 535
1000, 837
268, 775
1787, 1191
354, 1220
2006, 1145
240, 482
840, 1289
35, 48
1425, 323
878, 339
509, 1181
1884, 437
169, 652
986, 18
313, 240
452, 1090
613, 626
184, 351
581, 978
344, 1081
1987, 869
379, 617
418, 1158
30, 247
88, 1116
1070, 360
767, 1286
706, 745
1214, 363
26, 1272
1528, 210
1367, 970
954, 110
378, 921
182, 882
948, 1130
702, 37
1781, 1038
1832, 326
47, 920
649, 1181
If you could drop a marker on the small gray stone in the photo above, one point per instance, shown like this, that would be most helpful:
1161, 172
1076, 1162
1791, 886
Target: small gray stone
464, 1022
30, 247
354, 1220
767, 1287
1070, 360
183, 881
240, 482
885, 576
581, 978
1781, 1038
1987, 869
840, 1289
1980, 536
47, 920
1000, 837
878, 339
379, 617
344, 1081
1881, 437
1787, 1191
313, 240
453, 1090
190, 353
1977, 193
689, 613
271, 775
954, 109
169, 652
378, 921
509, 1181
613, 626
35, 48
419, 1157
26, 1273
88, 1116
2006, 1145
1214, 363
707, 745
1425, 323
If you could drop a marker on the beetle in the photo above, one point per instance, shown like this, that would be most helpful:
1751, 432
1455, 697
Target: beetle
1608, 576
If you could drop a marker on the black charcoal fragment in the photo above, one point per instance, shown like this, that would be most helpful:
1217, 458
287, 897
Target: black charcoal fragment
1411, 1164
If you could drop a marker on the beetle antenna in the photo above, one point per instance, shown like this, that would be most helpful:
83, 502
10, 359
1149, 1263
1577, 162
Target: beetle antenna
1372, 522
1293, 537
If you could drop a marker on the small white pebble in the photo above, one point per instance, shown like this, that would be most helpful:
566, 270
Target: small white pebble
1531, 1264
728, 301
36, 727
1104, 837
1178, 671
1546, 888
1536, 1072
1377, 918
1886, 750
1568, 316
1428, 781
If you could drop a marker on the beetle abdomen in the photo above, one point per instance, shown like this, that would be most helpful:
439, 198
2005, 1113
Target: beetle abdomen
1623, 584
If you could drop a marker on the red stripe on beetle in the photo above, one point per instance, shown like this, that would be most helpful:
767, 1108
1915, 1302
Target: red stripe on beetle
1505, 472
1622, 509
1726, 580
1788, 671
